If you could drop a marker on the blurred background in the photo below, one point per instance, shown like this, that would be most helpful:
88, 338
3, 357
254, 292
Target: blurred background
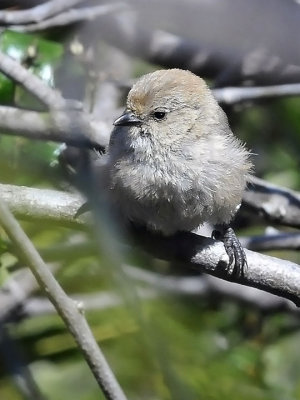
188, 336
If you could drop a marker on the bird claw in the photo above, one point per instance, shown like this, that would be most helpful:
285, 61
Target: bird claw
234, 250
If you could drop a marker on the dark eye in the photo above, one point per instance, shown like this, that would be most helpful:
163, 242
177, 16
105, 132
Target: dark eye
159, 115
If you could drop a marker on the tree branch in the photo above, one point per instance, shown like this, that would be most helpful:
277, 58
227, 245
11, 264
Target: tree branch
263, 59
71, 16
66, 122
271, 274
37, 13
66, 307
272, 202
203, 254
49, 205
58, 126
234, 95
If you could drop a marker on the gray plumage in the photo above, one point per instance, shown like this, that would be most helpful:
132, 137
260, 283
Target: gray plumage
178, 165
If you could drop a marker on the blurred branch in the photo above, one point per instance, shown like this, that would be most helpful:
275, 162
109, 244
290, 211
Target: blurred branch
57, 126
13, 293
161, 47
271, 202
209, 287
204, 286
255, 56
48, 96
264, 272
66, 122
277, 241
72, 16
37, 13
35, 306
67, 309
234, 95
16, 365
205, 58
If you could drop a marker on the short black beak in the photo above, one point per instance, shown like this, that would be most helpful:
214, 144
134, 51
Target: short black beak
127, 119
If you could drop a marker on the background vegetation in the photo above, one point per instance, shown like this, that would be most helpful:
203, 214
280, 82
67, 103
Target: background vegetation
174, 344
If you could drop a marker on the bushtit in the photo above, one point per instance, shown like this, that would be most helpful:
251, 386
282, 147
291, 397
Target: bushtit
173, 162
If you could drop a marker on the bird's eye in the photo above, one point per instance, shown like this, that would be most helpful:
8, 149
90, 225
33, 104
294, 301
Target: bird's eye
159, 115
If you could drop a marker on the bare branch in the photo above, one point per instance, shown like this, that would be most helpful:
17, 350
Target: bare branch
264, 272
49, 205
234, 95
271, 274
65, 126
37, 13
274, 203
72, 16
66, 307
66, 123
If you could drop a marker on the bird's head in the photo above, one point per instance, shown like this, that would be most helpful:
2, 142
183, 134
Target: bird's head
165, 105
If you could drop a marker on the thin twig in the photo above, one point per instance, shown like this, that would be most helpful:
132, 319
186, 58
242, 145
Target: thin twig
234, 95
71, 16
37, 13
67, 309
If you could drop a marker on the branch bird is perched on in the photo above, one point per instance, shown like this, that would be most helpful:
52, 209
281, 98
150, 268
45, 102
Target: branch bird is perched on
173, 162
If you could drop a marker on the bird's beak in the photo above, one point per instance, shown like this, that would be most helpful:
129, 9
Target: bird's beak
127, 119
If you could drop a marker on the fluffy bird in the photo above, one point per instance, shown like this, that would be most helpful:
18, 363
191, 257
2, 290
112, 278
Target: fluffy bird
173, 162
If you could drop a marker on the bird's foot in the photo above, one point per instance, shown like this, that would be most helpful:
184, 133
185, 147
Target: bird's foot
234, 249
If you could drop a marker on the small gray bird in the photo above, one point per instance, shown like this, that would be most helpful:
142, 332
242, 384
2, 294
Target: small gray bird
173, 162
